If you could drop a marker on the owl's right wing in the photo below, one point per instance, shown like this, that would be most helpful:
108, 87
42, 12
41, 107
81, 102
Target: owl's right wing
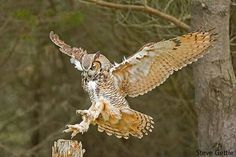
73, 52
155, 62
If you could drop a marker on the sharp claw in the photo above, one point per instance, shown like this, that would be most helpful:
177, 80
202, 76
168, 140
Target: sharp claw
75, 129
72, 128
73, 134
67, 130
80, 112
67, 126
77, 111
84, 113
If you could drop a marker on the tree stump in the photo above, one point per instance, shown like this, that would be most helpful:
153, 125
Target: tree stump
67, 148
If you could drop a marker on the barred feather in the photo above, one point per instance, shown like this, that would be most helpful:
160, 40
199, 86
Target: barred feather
155, 62
131, 123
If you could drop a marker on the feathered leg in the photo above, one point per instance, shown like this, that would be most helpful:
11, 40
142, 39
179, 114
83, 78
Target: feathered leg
88, 117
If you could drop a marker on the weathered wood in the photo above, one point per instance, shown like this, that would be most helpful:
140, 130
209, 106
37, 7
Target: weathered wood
215, 83
67, 148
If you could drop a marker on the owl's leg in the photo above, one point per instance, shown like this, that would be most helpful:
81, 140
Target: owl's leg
95, 110
89, 116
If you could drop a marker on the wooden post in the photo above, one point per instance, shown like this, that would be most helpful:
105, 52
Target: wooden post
67, 148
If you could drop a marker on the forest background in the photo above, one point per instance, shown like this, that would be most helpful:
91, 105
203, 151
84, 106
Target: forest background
40, 90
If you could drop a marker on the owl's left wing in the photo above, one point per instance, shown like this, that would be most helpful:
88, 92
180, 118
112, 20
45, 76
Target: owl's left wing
155, 62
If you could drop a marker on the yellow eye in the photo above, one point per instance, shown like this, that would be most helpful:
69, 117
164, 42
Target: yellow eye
96, 65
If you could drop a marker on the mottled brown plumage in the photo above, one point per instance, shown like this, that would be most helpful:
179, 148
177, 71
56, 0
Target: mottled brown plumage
108, 84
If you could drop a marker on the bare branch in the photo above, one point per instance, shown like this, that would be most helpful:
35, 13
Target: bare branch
139, 8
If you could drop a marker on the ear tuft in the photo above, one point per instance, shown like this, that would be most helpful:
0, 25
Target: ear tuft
97, 55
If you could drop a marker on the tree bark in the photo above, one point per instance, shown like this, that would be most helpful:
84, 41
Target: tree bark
215, 92
67, 148
233, 33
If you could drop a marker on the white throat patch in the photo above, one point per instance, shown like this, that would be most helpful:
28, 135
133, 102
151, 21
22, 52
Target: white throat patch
92, 85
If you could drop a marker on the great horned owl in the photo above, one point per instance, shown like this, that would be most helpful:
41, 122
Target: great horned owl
108, 84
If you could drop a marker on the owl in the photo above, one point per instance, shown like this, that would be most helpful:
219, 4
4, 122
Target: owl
109, 84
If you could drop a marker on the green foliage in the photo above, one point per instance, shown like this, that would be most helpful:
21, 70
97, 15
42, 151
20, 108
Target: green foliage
25, 15
71, 19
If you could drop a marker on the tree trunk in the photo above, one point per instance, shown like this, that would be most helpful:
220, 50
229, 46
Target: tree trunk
215, 91
233, 33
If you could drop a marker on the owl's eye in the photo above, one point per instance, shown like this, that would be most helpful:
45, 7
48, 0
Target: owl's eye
96, 65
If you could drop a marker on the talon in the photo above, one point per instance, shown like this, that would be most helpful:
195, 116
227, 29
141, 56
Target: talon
82, 112
75, 129
78, 112
74, 134
66, 130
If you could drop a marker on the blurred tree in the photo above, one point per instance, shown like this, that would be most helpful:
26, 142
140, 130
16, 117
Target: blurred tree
215, 83
233, 33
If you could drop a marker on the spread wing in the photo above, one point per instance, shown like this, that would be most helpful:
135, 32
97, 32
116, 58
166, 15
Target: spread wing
155, 62
73, 52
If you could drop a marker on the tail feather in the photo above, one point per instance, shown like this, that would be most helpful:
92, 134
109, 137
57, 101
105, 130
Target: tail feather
142, 123
111, 130
131, 123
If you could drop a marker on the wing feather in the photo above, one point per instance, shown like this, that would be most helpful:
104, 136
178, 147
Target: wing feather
155, 62
74, 52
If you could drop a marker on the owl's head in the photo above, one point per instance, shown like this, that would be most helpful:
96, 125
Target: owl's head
88, 63
92, 63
